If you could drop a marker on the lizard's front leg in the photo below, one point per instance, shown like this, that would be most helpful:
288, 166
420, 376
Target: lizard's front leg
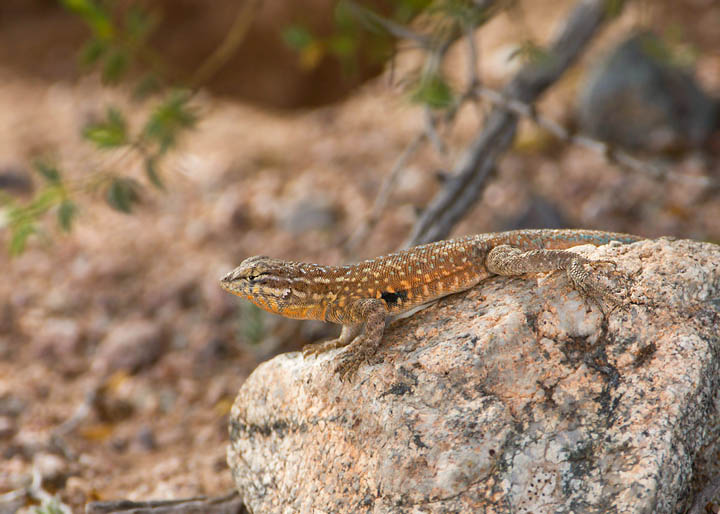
509, 261
362, 349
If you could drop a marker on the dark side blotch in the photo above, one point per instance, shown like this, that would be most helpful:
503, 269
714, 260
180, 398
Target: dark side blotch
393, 298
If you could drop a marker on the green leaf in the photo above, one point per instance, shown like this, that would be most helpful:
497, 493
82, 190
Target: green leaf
434, 92
139, 24
110, 133
531, 52
66, 214
297, 37
93, 51
345, 17
20, 235
406, 10
169, 119
342, 45
146, 86
152, 172
49, 172
40, 204
122, 194
115, 66
613, 8
94, 14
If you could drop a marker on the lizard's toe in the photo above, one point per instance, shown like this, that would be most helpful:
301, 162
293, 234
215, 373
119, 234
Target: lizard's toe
347, 369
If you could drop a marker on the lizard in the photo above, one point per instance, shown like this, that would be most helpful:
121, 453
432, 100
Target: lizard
361, 296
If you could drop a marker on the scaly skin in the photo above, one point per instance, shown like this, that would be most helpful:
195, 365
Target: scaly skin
360, 296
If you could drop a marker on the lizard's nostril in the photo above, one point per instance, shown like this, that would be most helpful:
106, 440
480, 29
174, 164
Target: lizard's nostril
229, 277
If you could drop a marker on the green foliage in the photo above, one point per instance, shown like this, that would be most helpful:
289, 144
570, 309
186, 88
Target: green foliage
531, 52
66, 214
406, 10
139, 24
109, 133
115, 66
94, 14
297, 37
123, 193
251, 323
147, 85
93, 51
152, 173
51, 506
464, 12
356, 35
433, 91
117, 46
613, 7
168, 120
23, 220
48, 171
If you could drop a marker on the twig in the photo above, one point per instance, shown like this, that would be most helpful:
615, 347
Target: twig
383, 195
613, 154
471, 173
232, 41
431, 132
230, 503
397, 30
710, 491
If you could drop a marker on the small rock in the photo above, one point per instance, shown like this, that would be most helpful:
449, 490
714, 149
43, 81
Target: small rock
7, 427
309, 214
208, 357
131, 346
110, 408
58, 340
7, 318
52, 469
539, 213
639, 99
119, 444
146, 438
77, 490
11, 405
15, 180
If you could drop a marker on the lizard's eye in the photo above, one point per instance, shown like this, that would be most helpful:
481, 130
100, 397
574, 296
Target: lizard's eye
257, 275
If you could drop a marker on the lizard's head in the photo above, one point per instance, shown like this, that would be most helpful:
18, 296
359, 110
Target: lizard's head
272, 284
255, 275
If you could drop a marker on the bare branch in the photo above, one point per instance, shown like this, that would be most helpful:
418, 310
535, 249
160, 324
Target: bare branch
613, 154
230, 503
232, 41
397, 30
383, 195
471, 173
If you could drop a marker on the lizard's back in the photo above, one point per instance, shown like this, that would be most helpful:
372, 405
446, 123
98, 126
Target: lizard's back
421, 274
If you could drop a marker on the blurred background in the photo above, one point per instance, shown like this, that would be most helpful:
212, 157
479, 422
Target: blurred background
147, 147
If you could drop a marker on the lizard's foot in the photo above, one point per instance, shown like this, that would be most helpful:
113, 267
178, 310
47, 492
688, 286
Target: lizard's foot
584, 273
318, 348
352, 359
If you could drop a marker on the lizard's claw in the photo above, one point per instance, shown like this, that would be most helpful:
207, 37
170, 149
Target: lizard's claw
317, 348
587, 283
350, 362
347, 368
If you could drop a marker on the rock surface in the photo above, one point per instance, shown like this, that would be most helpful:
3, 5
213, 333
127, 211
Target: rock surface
517, 396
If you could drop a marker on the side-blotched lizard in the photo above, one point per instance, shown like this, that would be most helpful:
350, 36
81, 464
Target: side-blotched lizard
360, 296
